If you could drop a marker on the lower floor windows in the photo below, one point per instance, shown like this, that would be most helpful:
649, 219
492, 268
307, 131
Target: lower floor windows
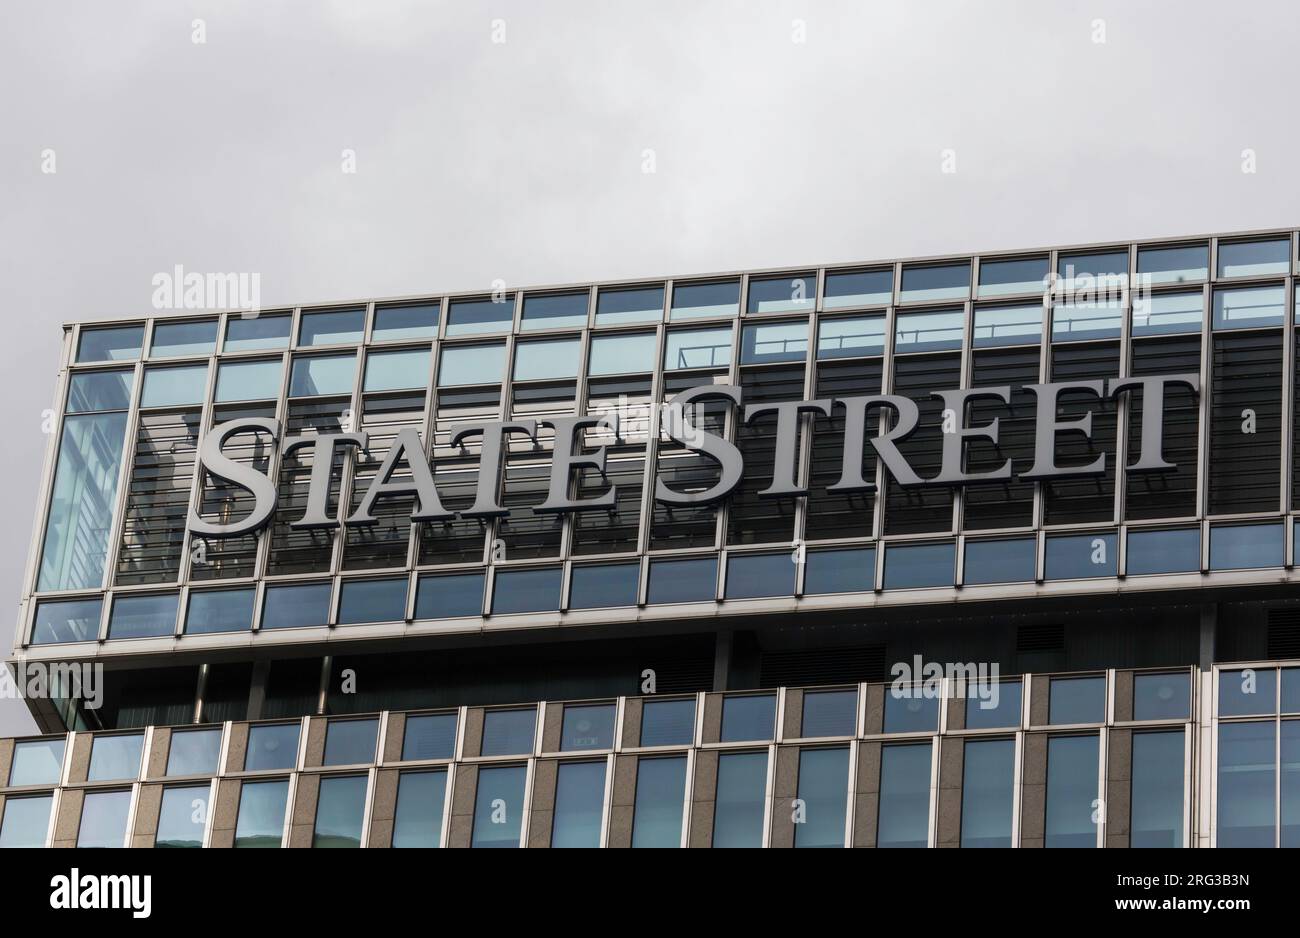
1072, 800
261, 813
103, 819
823, 797
660, 796
988, 792
1157, 790
579, 804
741, 793
421, 797
903, 818
499, 806
183, 816
340, 807
1251, 795
26, 821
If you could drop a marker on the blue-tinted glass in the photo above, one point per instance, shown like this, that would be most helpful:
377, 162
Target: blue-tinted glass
738, 808
1173, 264
753, 575
1290, 690
660, 796
1247, 692
667, 722
322, 374
249, 381
1078, 556
340, 807
67, 620
261, 814
272, 746
181, 817
621, 353
429, 736
849, 288
115, 757
174, 387
445, 597
1162, 696
762, 344
701, 300
1098, 271
993, 704
1254, 258
1010, 561
26, 821
1071, 791
372, 601
920, 565
911, 708
416, 321
587, 727
940, 282
748, 718
551, 358
1077, 700
395, 371
1289, 783
421, 797
350, 742
173, 339
144, 616
194, 752
1167, 313
697, 348
261, 332
829, 713
219, 611
37, 762
823, 790
1086, 320
292, 606
1008, 325
1164, 551
498, 806
1012, 275
987, 792
526, 590
508, 732
639, 304
473, 317
1247, 785
1243, 546
96, 391
929, 332
791, 293
1246, 307
903, 818
103, 819
602, 587
840, 571
1157, 793
110, 344
683, 581
555, 311
850, 337
460, 365
332, 327
579, 804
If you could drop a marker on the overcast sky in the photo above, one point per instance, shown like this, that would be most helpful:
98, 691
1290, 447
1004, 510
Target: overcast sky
779, 133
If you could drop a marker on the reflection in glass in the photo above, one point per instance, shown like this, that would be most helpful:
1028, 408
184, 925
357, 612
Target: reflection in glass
332, 327
987, 792
660, 796
904, 811
508, 732
414, 321
261, 813
113, 343
1165, 696
272, 746
339, 810
1248, 692
1174, 550
1173, 264
26, 821
103, 819
750, 717
1244, 546
702, 300
498, 806
421, 797
182, 816
555, 311
194, 752
429, 736
322, 374
668, 722
588, 726
845, 289
1247, 779
738, 806
829, 713
579, 804
1157, 799
350, 742
791, 293
36, 762
937, 282
1077, 700
850, 337
1254, 258
997, 326
261, 332
1071, 791
823, 791
637, 304
1167, 313
174, 339
115, 757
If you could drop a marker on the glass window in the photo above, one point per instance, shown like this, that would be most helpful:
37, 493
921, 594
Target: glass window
340, 807
174, 339
829, 713
1247, 785
987, 792
765, 343
103, 819
194, 752
261, 813
1009, 561
322, 374
1167, 313
1290, 690
296, 605
147, 615
916, 566
1077, 700
1102, 272
219, 611
1164, 551
1071, 791
421, 799
177, 386
1289, 784
350, 742
508, 732
1008, 325
637, 304
37, 762
1157, 790
475, 317
703, 300
850, 337
697, 348
1247, 692
739, 801
1243, 546
621, 353
75, 546
911, 708
1079, 556
1011, 275
259, 332
668, 722
935, 282
1254, 258
1087, 320
406, 321
96, 391
753, 575
26, 821
903, 818
993, 704
750, 717
845, 289
823, 792
683, 581
372, 601
1174, 264
790, 293
579, 804
1247, 307
66, 620
183, 816
460, 365
445, 597
249, 381
547, 359
498, 806
1162, 696
398, 371
332, 327
526, 590
271, 746
852, 570
930, 331
110, 344
605, 586
429, 736
587, 727
660, 798
555, 311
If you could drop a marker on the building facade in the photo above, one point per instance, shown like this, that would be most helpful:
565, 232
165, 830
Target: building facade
959, 551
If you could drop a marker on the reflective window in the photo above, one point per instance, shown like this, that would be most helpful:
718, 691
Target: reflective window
1164, 551
903, 818
604, 586
668, 722
754, 575
739, 799
397, 371
144, 616
177, 386
445, 597
1167, 313
829, 713
579, 804
260, 332
1071, 791
1243, 546
930, 331
1247, 307
748, 718
66, 620
26, 821
911, 708
1289, 746
322, 374
526, 590
550, 358
1078, 556
823, 791
993, 704
498, 806
987, 792
555, 311
683, 581
110, 344
36, 762
194, 752
1008, 325
937, 282
1173, 264
1247, 692
372, 601
1290, 690
637, 304
332, 327
588, 726
1007, 276
852, 570
249, 381
429, 736
1247, 785
702, 300
621, 353
174, 339
350, 742
1009, 561
271, 746
791, 293
508, 732
1077, 700
915, 566
1102, 272
103, 819
406, 321
340, 806
97, 391
845, 289
460, 365
219, 611
261, 813
1162, 696
660, 798
183, 816
296, 605
421, 799
1157, 790
765, 343
850, 337
475, 317
697, 348
1088, 320
1254, 258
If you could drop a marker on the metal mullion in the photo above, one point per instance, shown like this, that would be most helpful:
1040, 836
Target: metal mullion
262, 559
645, 521
196, 483
347, 472
967, 378
506, 410
1044, 376
1288, 390
123, 481
1204, 412
731, 423
580, 405
1124, 403
807, 430
887, 359
428, 439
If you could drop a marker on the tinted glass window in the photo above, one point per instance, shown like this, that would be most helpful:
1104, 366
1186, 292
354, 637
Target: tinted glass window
754, 575
143, 616
622, 353
1012, 275
1071, 791
526, 590
660, 796
340, 806
904, 810
103, 819
1174, 264
762, 344
789, 293
1010, 561
829, 713
917, 566
261, 332
747, 718
929, 332
1077, 700
1248, 307
37, 762
471, 364
372, 601
219, 611
1254, 258
993, 704
1247, 692
839, 571
95, 391
26, 821
1087, 320
261, 813
987, 792
941, 282
639, 304
443, 597
116, 343
823, 790
472, 317
667, 722
249, 381
350, 742
552, 358
683, 581
579, 804
508, 732
421, 797
911, 709
701, 300
181, 817
850, 337
1099, 271
1167, 313
595, 587
417, 321
1290, 690
555, 311
400, 370
1247, 785
849, 288
1078, 556
174, 387
272, 746
1289, 784
697, 348
1162, 696
194, 752
70, 620
296, 605
1243, 546
498, 806
332, 327
1008, 325
1157, 792
173, 339
738, 808
429, 736
1171, 551
587, 727
322, 374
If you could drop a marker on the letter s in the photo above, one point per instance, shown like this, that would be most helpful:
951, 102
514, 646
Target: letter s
723, 451
220, 466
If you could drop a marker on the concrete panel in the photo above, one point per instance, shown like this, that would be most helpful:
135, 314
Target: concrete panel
712, 730
620, 826
394, 735
80, 764
785, 789
383, 805
1123, 696
6, 759
875, 719
951, 766
159, 748
1033, 791
702, 798
552, 727
473, 732
792, 724
303, 823
315, 754
624, 788
956, 713
68, 821
632, 708
867, 796
1039, 700
236, 747
461, 827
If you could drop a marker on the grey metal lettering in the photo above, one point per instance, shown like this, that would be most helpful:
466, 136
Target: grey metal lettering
220, 466
1047, 426
954, 443
427, 506
722, 451
322, 468
1151, 457
568, 456
855, 438
487, 496
787, 441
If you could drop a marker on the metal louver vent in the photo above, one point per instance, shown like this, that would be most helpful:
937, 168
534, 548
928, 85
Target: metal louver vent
1032, 639
682, 675
1284, 633
822, 666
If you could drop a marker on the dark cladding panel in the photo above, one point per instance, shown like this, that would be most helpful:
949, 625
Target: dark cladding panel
299, 551
751, 519
383, 544
153, 530
455, 473
922, 509
1087, 498
1165, 494
832, 515
1010, 503
1245, 422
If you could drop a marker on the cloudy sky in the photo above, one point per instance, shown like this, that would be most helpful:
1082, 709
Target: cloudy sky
511, 140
